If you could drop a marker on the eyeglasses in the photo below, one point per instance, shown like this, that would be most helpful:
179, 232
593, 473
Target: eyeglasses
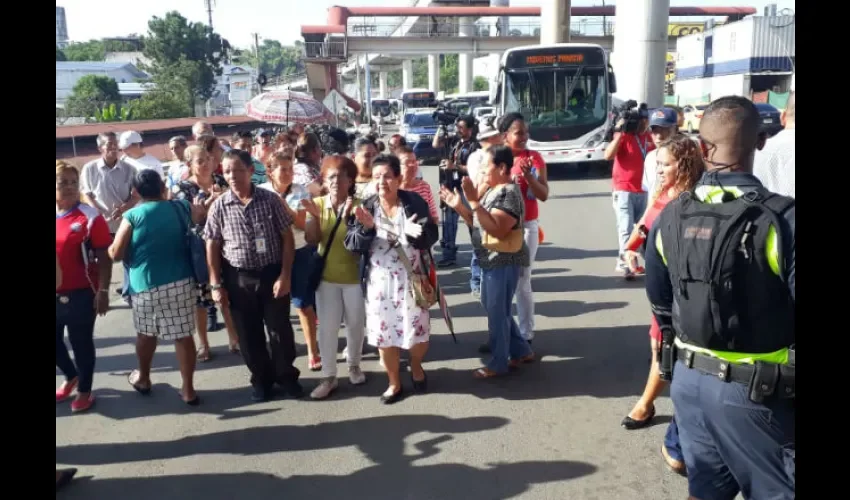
61, 184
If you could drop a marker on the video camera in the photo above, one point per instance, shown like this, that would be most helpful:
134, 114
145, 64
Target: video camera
444, 116
631, 114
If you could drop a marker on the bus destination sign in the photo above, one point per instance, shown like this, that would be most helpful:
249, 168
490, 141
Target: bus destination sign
420, 95
555, 59
556, 56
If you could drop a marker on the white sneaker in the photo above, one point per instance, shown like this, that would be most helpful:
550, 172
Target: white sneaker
356, 375
325, 388
345, 354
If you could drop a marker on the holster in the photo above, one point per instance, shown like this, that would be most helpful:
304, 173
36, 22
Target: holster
770, 379
667, 356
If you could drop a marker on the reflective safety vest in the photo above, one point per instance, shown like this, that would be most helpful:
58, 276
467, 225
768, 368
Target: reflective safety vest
714, 194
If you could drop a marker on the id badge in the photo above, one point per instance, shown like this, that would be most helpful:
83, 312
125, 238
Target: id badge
455, 175
261, 245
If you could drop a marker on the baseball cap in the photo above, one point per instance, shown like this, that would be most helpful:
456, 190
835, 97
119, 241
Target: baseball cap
487, 127
129, 137
663, 117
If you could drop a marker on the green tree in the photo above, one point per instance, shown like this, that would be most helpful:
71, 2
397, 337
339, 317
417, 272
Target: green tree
60, 56
85, 51
275, 59
159, 104
480, 83
91, 94
185, 54
449, 73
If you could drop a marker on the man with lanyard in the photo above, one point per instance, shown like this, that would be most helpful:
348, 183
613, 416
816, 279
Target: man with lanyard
628, 150
463, 144
720, 270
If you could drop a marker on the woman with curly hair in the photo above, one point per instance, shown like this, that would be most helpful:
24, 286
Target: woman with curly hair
680, 166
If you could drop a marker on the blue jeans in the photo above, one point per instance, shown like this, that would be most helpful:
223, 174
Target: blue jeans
447, 242
497, 294
628, 208
731, 444
671, 441
475, 273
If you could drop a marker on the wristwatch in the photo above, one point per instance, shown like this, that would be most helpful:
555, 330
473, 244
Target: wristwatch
215, 286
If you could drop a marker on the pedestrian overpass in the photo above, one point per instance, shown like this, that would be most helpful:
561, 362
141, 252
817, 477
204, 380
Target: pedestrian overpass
390, 37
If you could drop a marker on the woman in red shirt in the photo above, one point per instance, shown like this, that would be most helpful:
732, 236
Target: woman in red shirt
680, 166
82, 237
529, 173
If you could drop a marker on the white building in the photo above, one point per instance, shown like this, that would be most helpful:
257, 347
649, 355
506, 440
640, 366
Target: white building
234, 88
61, 28
752, 55
69, 72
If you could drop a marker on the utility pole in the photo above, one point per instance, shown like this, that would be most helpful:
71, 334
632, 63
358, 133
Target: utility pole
209, 6
257, 49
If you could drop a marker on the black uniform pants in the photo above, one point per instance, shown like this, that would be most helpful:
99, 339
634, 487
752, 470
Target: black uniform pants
255, 310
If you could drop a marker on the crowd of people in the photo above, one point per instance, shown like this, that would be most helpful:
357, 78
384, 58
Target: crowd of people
253, 225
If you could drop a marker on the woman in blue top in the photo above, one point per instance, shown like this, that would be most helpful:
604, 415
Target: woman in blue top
152, 242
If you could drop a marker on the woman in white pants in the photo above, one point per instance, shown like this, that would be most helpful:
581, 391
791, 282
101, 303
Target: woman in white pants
529, 173
339, 296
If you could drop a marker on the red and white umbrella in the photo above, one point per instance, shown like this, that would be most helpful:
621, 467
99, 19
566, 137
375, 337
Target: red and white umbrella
287, 107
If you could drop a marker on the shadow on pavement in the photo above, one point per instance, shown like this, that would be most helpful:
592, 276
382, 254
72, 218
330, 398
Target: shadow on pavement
550, 308
580, 195
379, 482
381, 439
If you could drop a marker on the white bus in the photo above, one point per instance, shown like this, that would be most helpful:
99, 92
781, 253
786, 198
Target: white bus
564, 92
415, 98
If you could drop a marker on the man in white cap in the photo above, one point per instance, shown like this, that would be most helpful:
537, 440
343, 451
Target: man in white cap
130, 142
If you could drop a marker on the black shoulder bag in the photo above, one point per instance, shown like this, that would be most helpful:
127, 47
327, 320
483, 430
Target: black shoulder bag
316, 266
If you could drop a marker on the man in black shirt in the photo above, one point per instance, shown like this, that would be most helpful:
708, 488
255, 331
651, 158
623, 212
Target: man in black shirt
460, 146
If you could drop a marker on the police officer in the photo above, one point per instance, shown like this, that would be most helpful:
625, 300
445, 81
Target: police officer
463, 144
720, 266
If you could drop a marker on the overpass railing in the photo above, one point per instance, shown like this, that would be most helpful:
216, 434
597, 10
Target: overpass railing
429, 26
330, 50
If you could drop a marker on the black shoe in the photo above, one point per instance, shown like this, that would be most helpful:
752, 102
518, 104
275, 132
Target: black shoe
395, 398
631, 424
262, 394
293, 389
65, 477
420, 386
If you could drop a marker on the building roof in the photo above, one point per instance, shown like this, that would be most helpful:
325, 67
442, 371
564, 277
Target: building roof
134, 88
99, 66
92, 129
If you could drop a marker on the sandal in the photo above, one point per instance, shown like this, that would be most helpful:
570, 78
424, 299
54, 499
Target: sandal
514, 363
315, 363
484, 373
133, 379
234, 349
204, 354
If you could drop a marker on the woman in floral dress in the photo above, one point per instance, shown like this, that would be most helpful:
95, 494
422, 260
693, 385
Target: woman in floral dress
204, 182
392, 232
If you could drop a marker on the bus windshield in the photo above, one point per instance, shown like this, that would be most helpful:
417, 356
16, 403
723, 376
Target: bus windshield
418, 100
558, 103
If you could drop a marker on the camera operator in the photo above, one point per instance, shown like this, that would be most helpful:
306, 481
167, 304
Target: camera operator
452, 169
628, 148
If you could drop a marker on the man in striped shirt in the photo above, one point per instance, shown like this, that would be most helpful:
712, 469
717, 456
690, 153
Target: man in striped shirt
774, 165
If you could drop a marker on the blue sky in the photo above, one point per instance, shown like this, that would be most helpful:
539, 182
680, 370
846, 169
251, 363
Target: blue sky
236, 20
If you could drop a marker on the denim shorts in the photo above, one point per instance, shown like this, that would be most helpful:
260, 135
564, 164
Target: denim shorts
301, 296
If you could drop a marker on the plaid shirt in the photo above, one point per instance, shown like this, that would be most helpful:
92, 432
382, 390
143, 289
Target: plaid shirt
240, 226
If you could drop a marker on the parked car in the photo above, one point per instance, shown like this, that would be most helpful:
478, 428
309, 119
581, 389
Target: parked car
693, 114
770, 118
418, 129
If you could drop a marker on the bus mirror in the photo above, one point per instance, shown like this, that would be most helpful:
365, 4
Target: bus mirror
612, 81
494, 89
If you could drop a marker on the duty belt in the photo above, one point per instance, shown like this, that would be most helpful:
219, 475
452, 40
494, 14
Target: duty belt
769, 379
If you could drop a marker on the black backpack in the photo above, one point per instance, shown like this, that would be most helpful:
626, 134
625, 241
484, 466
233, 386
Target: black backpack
726, 297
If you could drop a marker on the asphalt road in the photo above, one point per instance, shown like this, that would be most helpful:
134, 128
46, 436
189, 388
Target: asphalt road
551, 431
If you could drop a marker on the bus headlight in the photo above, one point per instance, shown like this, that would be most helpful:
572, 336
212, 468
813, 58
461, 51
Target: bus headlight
593, 141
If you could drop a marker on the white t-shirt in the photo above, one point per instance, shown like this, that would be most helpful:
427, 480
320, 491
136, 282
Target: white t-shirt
775, 164
474, 164
146, 162
650, 171
293, 199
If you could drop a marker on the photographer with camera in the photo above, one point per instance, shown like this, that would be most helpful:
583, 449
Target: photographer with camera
628, 148
457, 149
